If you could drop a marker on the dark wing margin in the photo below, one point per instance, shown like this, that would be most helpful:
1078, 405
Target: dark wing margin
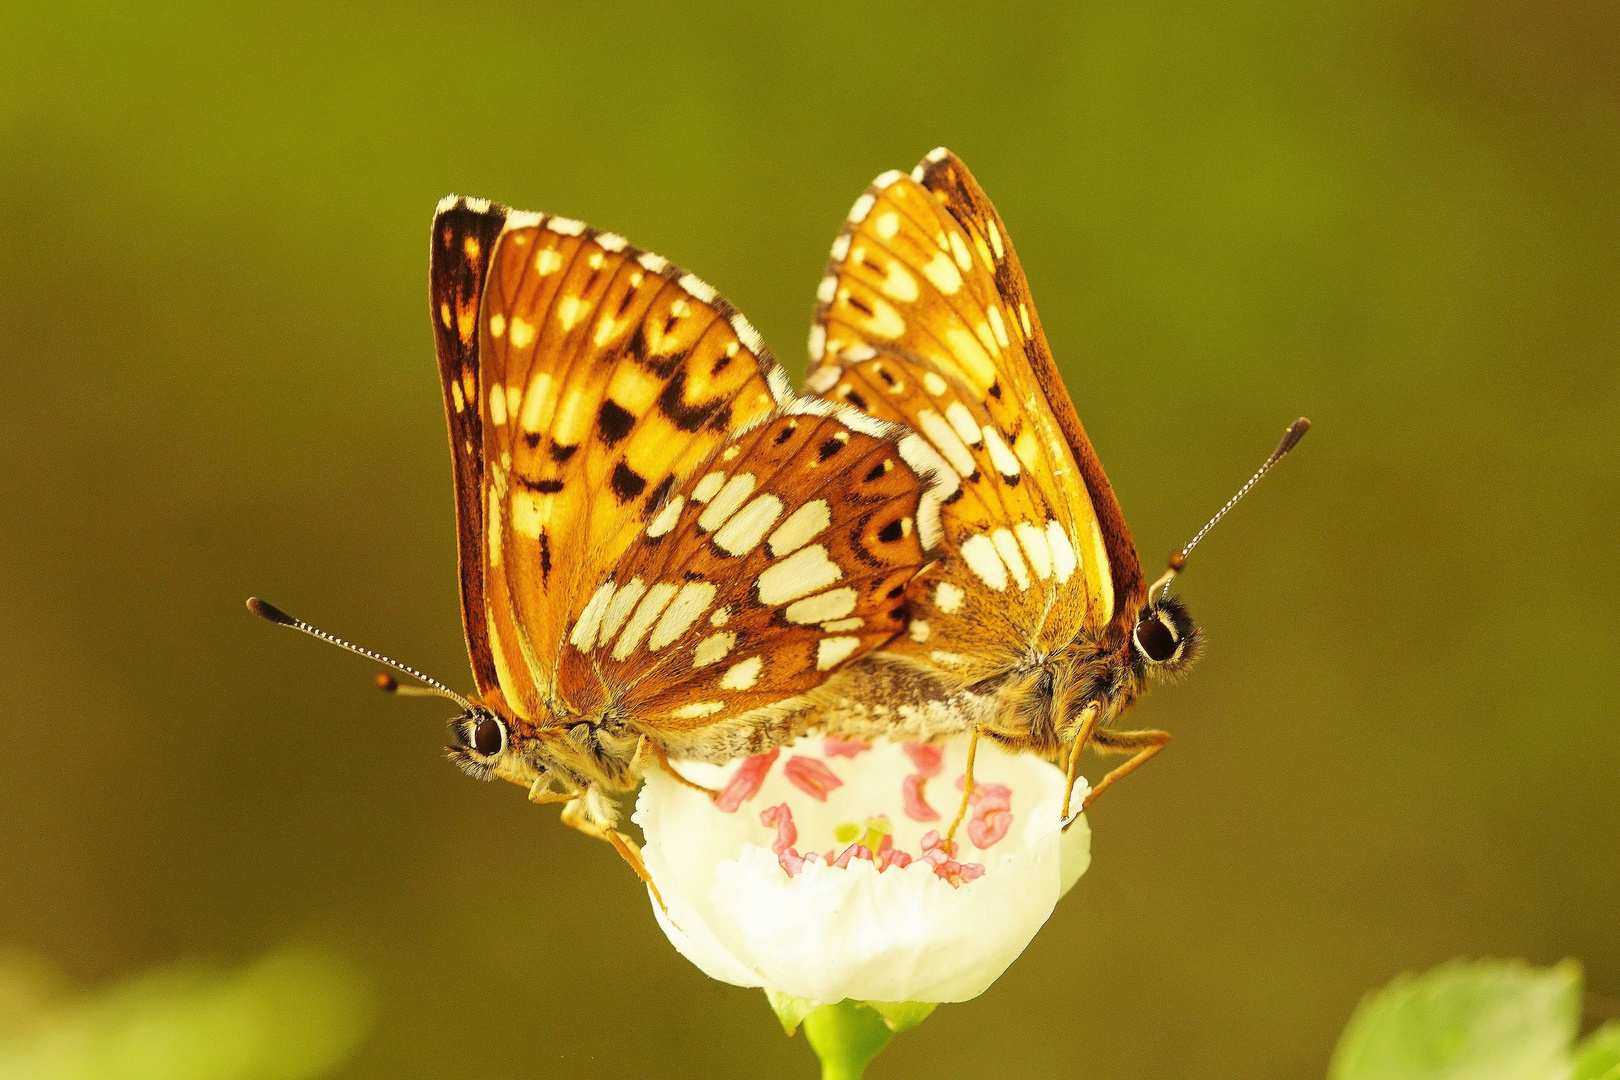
464, 234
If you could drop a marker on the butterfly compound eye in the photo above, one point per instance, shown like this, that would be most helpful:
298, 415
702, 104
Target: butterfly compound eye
1156, 640
489, 737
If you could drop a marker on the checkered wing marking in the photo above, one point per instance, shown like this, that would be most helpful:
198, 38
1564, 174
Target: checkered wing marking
925, 318
782, 559
590, 379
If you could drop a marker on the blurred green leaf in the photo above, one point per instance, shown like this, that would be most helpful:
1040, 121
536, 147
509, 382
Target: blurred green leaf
1598, 1058
1466, 1020
294, 1015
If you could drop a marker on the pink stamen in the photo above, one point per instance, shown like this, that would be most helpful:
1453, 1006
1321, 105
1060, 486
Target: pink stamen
811, 776
894, 857
926, 759
745, 782
911, 791
854, 851
844, 748
780, 817
989, 825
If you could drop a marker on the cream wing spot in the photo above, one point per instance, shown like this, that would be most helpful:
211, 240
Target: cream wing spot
743, 674
1036, 547
840, 247
920, 630
998, 327
1000, 456
806, 571
1007, 548
655, 263
822, 607
455, 396
1023, 318
619, 608
652, 605
547, 261
898, 284
995, 241
590, 619
693, 600
832, 651
948, 597
862, 207
933, 384
962, 421
942, 274
1063, 558
497, 405
667, 517
823, 379
706, 487
887, 224
802, 526
941, 434
697, 710
720, 617
980, 553
818, 343
885, 321
726, 501
565, 226
827, 289
522, 333
713, 649
959, 249
838, 626
497, 325
747, 526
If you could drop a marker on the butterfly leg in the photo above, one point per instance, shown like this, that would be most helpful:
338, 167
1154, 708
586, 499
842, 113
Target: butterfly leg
663, 759
967, 785
574, 816
1142, 744
1087, 726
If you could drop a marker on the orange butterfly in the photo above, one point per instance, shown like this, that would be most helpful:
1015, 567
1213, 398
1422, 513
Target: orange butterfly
1036, 627
663, 551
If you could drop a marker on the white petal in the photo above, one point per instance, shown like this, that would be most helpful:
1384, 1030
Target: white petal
827, 933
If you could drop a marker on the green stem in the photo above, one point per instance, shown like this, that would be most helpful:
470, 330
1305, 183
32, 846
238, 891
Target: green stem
846, 1036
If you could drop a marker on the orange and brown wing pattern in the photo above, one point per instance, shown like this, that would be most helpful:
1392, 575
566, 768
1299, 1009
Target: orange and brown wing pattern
781, 559
925, 317
604, 375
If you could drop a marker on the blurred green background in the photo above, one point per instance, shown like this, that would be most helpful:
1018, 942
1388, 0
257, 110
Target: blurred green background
219, 380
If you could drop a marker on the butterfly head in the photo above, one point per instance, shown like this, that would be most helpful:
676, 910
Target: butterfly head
1165, 641
479, 741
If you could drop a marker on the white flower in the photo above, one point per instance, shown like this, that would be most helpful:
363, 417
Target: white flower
820, 874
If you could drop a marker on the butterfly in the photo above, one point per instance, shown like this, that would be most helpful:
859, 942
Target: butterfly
1035, 627
663, 551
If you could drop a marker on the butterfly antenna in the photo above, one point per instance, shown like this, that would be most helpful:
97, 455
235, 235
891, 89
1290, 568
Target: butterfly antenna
1296, 431
432, 687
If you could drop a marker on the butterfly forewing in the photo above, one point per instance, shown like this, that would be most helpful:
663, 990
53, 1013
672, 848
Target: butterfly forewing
464, 232
925, 318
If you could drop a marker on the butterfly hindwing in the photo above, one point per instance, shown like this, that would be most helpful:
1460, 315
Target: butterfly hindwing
783, 558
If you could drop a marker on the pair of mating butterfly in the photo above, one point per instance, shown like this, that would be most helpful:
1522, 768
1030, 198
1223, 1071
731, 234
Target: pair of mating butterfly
665, 552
